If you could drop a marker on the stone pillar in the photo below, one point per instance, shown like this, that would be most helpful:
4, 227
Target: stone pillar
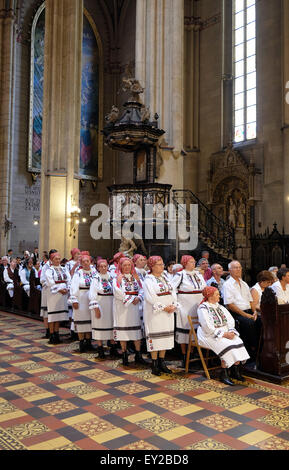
285, 81
7, 43
159, 67
61, 122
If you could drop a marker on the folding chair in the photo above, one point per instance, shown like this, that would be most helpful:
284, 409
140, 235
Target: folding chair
193, 343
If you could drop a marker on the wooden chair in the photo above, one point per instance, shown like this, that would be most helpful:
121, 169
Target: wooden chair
193, 343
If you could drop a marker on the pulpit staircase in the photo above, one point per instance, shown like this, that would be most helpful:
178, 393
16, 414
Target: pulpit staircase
214, 235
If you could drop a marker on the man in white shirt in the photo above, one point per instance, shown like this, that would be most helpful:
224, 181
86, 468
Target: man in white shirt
281, 287
238, 299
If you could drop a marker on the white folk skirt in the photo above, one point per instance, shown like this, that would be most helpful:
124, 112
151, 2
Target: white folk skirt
228, 350
127, 323
159, 326
102, 328
57, 308
81, 316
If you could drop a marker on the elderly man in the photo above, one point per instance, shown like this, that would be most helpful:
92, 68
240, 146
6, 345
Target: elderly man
238, 299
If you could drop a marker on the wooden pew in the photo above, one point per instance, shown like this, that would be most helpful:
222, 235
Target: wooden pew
273, 358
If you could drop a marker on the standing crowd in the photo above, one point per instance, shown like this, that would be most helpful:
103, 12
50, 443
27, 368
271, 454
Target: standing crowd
137, 306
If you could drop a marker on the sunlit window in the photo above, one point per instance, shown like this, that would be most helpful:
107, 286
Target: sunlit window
244, 56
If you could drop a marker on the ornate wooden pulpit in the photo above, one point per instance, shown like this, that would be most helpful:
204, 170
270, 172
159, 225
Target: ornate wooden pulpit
273, 359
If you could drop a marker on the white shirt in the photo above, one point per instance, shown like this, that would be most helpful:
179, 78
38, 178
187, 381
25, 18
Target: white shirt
237, 294
282, 295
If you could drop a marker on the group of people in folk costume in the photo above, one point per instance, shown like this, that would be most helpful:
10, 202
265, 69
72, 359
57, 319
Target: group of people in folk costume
125, 302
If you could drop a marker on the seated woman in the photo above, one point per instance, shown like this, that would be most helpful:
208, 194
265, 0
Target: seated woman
264, 279
281, 287
10, 276
25, 275
217, 332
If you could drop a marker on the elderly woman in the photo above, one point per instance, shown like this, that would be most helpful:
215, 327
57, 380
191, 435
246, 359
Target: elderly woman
101, 308
189, 285
203, 265
217, 332
264, 279
43, 308
140, 261
79, 298
160, 303
113, 267
128, 293
58, 282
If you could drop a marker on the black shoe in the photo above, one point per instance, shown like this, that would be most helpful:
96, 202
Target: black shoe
235, 373
57, 339
224, 377
82, 348
125, 358
155, 368
47, 334
139, 359
52, 339
101, 354
88, 346
162, 366
183, 366
114, 352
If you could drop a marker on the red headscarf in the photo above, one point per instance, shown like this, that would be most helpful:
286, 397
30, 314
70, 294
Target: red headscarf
52, 256
117, 257
85, 255
185, 259
208, 292
132, 270
152, 261
100, 260
73, 252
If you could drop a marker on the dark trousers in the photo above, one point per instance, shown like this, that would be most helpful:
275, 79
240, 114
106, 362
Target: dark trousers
250, 332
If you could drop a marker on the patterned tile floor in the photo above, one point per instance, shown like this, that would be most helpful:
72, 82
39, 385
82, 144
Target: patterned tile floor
53, 398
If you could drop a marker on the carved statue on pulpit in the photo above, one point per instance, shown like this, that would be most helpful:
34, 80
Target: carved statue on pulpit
127, 247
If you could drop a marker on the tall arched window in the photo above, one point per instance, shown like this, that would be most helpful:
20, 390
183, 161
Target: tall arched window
90, 157
244, 54
36, 90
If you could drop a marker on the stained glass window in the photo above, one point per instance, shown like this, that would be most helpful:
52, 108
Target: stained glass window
244, 54
36, 96
90, 142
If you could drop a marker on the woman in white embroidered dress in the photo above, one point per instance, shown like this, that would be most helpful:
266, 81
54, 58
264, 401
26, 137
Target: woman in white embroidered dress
217, 332
79, 298
58, 283
101, 308
160, 303
128, 292
189, 284
43, 308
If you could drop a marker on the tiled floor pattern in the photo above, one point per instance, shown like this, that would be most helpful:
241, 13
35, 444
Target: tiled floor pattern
52, 398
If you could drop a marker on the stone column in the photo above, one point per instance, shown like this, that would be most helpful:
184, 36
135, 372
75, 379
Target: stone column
285, 81
159, 67
7, 43
61, 122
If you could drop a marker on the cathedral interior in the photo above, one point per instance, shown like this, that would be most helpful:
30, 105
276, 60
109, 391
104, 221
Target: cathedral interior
66, 73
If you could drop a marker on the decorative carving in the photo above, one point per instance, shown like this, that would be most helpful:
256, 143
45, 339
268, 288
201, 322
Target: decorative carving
132, 85
113, 115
